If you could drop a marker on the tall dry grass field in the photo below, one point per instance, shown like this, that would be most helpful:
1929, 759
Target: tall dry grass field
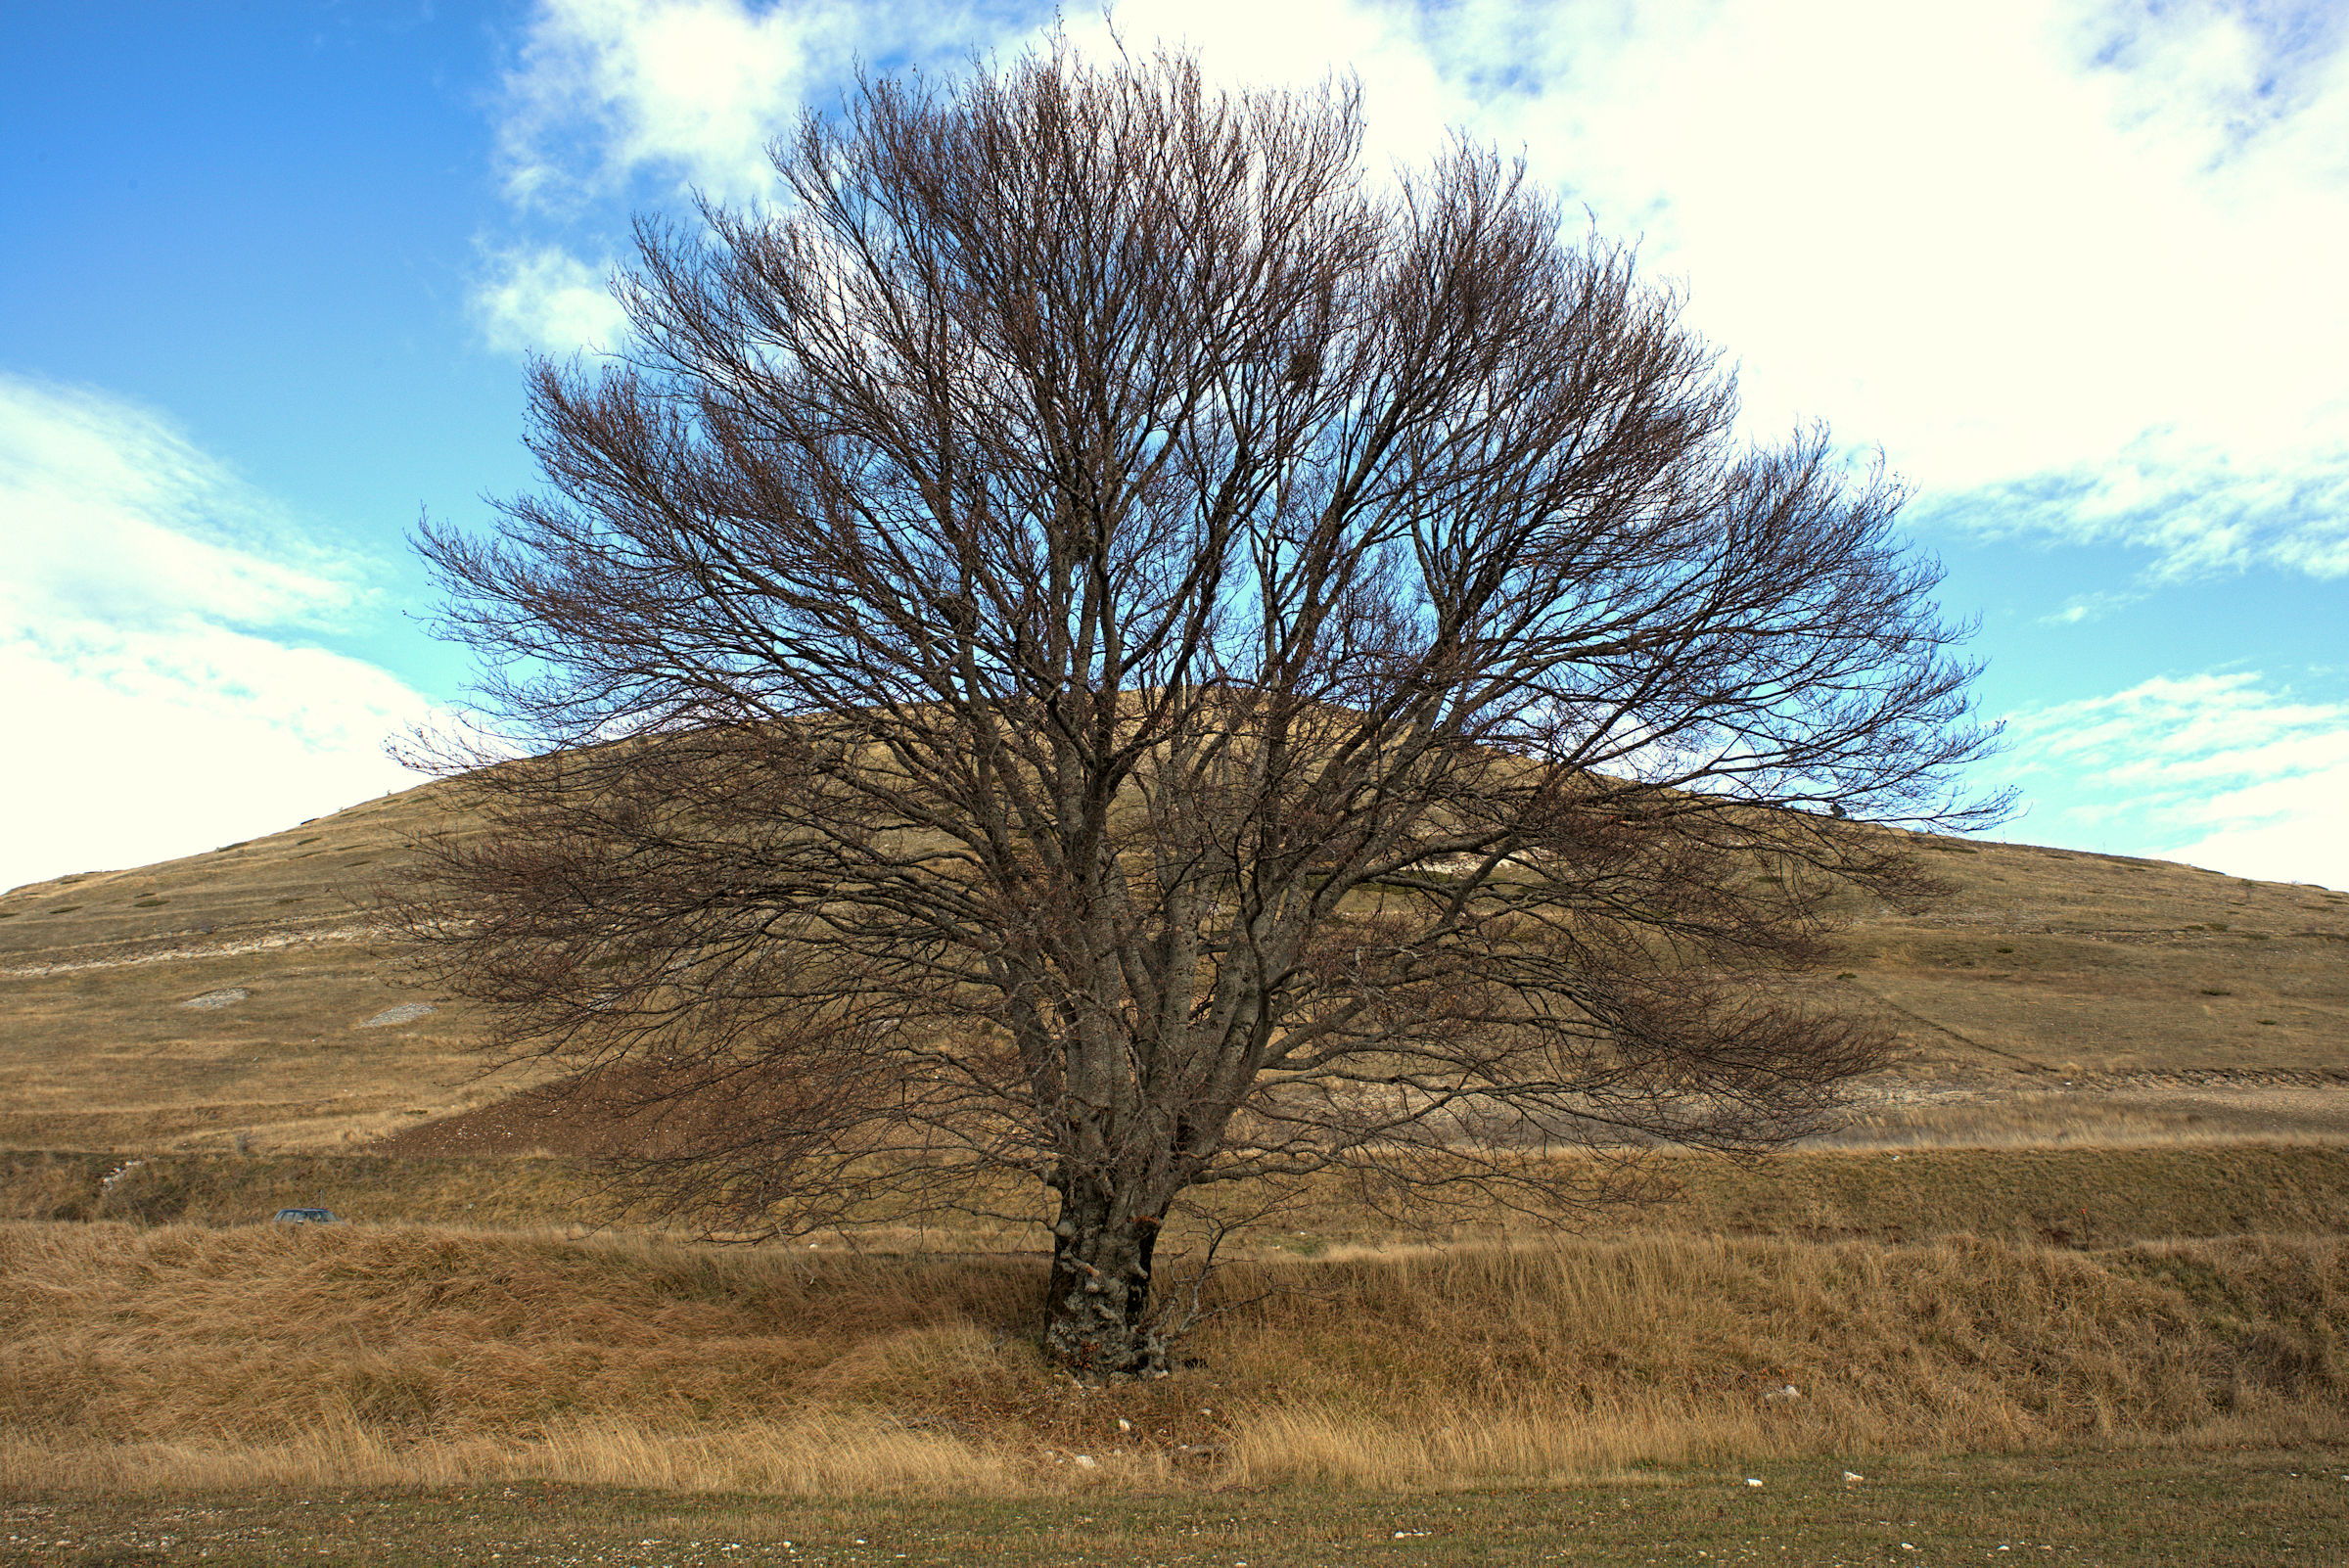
177, 1356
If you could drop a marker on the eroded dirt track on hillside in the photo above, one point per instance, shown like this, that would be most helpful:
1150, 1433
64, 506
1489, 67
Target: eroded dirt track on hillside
2202, 1105
172, 950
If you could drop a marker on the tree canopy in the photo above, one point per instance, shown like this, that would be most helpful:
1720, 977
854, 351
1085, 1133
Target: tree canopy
1093, 644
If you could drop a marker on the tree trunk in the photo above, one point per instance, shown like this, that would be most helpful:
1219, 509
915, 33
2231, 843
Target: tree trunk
1096, 1309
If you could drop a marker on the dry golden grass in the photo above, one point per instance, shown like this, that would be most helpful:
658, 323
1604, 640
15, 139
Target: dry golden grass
520, 1192
2049, 964
2069, 1196
176, 1356
839, 1457
1589, 1359
1997, 1286
98, 1049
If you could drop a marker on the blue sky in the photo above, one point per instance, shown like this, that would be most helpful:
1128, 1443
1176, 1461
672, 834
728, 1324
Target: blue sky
268, 276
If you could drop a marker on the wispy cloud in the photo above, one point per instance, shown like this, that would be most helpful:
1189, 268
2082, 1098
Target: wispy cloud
2193, 512
161, 620
112, 515
2218, 769
2093, 606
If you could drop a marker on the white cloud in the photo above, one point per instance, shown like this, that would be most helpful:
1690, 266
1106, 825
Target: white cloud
697, 84
2215, 769
1409, 98
153, 646
547, 300
2074, 265
686, 93
692, 91
605, 89
2034, 248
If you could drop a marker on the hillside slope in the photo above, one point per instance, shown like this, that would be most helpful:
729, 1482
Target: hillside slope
238, 994
235, 994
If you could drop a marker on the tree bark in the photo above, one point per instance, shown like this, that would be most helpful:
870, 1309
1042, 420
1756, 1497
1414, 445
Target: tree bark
1097, 1306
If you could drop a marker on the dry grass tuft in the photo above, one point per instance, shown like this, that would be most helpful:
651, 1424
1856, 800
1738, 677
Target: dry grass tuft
178, 1356
1542, 1363
832, 1458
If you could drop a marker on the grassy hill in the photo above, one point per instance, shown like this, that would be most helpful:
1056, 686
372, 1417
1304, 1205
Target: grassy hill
235, 1001
2099, 1203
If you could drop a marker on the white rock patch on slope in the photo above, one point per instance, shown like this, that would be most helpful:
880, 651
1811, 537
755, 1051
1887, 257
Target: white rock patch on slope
404, 1013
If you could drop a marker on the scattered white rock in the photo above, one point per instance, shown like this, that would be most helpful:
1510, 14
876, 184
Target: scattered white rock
404, 1013
226, 997
1085, 1461
1782, 1392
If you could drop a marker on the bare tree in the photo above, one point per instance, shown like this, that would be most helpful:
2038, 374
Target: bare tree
1092, 645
